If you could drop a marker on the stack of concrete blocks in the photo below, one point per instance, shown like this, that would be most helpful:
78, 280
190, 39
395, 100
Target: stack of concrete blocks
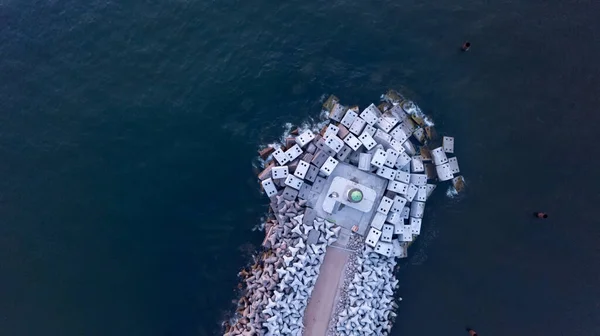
384, 143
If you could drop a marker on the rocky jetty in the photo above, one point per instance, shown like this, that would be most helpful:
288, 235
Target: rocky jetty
278, 287
358, 184
369, 306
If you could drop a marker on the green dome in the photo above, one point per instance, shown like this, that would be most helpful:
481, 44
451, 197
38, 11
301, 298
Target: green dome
355, 195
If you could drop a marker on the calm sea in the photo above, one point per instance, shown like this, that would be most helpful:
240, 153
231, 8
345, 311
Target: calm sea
128, 131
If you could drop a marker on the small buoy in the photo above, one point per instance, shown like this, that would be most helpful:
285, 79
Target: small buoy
540, 215
466, 46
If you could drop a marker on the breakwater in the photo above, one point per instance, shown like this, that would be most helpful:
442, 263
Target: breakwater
358, 185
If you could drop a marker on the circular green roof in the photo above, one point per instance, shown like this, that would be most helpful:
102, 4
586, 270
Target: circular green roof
356, 195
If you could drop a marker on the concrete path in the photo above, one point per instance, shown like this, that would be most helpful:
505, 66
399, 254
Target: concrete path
323, 297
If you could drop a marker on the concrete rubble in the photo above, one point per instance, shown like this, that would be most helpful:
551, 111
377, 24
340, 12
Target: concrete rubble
359, 184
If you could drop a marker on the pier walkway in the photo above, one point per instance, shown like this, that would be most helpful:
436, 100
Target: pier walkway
326, 291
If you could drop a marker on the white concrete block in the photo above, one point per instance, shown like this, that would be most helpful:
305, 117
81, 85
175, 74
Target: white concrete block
405, 212
279, 172
382, 137
418, 179
364, 162
417, 209
373, 237
387, 233
370, 130
348, 119
395, 218
419, 134
453, 162
293, 182
269, 187
402, 176
280, 156
439, 156
379, 157
396, 145
398, 134
331, 130
408, 126
415, 225
329, 165
352, 141
357, 126
390, 157
398, 112
422, 194
384, 125
448, 144
387, 173
399, 203
334, 143
305, 138
371, 114
444, 172
378, 220
406, 233
411, 192
293, 152
301, 169
403, 160
385, 205
367, 140
430, 189
409, 148
387, 121
384, 248
337, 112
397, 187
416, 165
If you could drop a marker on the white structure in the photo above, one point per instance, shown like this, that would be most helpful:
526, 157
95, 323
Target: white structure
331, 130
304, 138
391, 156
279, 172
373, 237
371, 114
357, 126
444, 172
439, 156
293, 182
349, 193
269, 187
349, 118
367, 140
387, 173
280, 156
453, 163
448, 144
385, 205
379, 157
353, 142
293, 152
335, 143
329, 165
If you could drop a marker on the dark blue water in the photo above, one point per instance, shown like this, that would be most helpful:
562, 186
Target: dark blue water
127, 133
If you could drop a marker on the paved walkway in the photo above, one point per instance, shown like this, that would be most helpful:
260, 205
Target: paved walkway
323, 297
